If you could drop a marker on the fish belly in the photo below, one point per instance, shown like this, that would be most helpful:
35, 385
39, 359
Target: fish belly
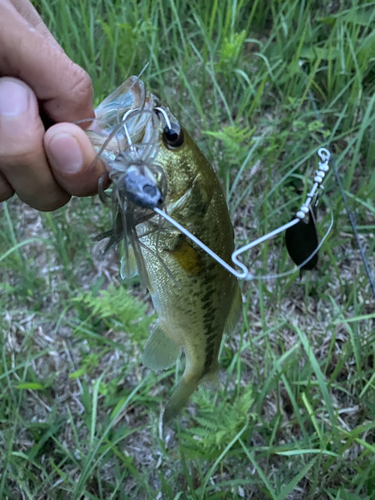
192, 309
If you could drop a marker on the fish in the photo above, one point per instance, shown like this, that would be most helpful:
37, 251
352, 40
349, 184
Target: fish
195, 298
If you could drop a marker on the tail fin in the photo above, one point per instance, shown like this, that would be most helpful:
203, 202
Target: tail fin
179, 398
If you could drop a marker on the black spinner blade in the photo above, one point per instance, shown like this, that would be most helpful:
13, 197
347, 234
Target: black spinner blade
301, 241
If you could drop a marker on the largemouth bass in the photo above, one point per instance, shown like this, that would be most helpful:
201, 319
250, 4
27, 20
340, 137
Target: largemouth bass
196, 299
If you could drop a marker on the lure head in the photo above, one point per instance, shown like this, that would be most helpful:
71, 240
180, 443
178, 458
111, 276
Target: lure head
141, 190
138, 180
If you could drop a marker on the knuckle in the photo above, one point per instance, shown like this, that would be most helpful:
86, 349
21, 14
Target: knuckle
81, 89
74, 101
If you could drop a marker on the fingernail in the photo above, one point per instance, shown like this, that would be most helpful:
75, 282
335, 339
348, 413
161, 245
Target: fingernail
65, 153
14, 98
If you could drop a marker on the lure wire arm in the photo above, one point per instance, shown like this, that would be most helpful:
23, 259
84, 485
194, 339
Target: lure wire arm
245, 274
165, 115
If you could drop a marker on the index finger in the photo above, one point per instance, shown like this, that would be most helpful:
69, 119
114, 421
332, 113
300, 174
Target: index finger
64, 88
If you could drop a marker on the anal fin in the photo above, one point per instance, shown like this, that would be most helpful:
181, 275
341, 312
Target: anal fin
161, 352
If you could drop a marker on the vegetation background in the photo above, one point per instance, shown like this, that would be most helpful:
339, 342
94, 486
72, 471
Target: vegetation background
295, 416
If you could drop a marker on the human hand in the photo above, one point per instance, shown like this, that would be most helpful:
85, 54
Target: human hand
37, 78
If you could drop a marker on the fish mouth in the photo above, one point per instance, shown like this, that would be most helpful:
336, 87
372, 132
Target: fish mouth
127, 135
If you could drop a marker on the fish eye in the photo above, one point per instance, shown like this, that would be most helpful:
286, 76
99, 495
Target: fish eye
174, 136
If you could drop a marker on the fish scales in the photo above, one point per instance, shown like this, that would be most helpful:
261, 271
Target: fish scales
197, 300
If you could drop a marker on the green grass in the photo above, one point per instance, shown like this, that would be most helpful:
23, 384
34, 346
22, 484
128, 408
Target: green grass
294, 418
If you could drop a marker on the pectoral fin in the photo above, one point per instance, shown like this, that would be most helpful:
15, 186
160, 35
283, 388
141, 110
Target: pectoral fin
129, 267
186, 256
161, 351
